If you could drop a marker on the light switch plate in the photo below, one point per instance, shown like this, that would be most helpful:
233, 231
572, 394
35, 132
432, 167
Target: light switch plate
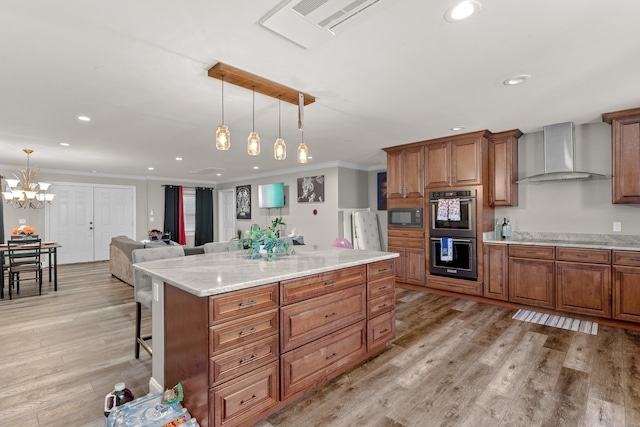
617, 226
22, 221
156, 296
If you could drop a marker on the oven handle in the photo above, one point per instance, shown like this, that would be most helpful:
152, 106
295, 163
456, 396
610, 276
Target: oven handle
434, 201
453, 239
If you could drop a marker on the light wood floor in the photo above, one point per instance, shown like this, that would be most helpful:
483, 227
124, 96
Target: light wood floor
454, 363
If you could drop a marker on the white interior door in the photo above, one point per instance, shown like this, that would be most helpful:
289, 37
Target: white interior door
226, 215
113, 216
70, 223
83, 219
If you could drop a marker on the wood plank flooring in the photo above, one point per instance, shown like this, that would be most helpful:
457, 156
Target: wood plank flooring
453, 363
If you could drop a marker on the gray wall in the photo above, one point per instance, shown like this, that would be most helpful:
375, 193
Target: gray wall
574, 206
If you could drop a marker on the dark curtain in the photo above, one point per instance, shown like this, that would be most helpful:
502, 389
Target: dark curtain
174, 213
1, 214
204, 216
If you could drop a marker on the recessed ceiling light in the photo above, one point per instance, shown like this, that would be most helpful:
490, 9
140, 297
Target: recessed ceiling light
218, 174
178, 158
150, 169
457, 128
462, 11
256, 167
516, 80
309, 157
84, 118
64, 144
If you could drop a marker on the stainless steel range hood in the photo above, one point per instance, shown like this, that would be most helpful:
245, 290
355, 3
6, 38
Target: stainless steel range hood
558, 142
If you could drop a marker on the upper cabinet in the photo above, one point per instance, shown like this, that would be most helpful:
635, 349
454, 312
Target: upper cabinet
455, 161
625, 156
503, 168
405, 172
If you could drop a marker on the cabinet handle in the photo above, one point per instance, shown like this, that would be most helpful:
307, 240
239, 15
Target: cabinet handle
326, 316
330, 282
634, 259
381, 288
330, 356
385, 330
246, 304
382, 305
381, 270
582, 255
248, 359
242, 402
247, 332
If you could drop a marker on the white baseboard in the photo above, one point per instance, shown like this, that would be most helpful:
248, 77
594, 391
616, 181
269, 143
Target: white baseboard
154, 386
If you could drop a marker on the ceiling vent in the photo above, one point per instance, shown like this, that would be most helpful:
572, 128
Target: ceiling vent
310, 23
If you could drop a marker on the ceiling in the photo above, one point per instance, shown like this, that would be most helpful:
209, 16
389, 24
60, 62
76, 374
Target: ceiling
397, 73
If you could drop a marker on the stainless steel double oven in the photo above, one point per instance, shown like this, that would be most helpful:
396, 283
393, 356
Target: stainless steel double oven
456, 221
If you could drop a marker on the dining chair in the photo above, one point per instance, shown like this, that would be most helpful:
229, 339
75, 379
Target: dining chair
24, 264
143, 287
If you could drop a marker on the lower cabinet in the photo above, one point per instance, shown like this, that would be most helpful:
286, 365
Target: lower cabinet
495, 261
409, 244
531, 280
242, 355
626, 286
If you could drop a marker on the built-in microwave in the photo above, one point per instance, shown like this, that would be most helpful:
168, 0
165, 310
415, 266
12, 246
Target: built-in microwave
405, 217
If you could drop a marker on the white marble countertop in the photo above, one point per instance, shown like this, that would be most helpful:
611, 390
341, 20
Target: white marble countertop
217, 273
574, 240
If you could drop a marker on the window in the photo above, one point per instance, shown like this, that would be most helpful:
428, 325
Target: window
189, 206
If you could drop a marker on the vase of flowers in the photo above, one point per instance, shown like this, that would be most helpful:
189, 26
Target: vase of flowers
266, 243
24, 230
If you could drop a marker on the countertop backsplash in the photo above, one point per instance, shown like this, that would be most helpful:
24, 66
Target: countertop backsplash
599, 241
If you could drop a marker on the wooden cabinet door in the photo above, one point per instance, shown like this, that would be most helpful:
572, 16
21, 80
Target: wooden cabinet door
503, 168
413, 172
531, 282
466, 162
394, 175
415, 265
626, 293
583, 288
438, 164
626, 161
400, 262
495, 272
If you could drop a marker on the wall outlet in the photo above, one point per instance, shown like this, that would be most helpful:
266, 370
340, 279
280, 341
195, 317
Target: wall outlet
617, 226
151, 219
22, 221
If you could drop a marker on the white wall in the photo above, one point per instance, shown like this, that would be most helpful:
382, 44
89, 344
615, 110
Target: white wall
573, 206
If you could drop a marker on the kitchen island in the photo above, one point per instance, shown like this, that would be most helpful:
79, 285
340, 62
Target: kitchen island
248, 336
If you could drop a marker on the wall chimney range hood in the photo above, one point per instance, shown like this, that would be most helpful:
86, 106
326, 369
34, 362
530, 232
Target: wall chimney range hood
558, 142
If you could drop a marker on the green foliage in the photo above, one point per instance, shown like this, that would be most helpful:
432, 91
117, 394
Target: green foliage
269, 240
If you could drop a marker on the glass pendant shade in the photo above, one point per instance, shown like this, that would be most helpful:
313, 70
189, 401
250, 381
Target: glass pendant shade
303, 153
253, 144
280, 149
223, 138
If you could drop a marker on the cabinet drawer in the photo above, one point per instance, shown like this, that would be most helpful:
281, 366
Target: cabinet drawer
307, 320
406, 243
381, 304
320, 284
242, 360
405, 233
239, 400
461, 286
528, 251
381, 330
307, 367
629, 258
380, 269
242, 303
243, 331
381, 286
595, 256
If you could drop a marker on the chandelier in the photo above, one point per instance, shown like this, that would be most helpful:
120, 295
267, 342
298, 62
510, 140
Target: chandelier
24, 192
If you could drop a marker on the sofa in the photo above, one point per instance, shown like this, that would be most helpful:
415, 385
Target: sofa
120, 258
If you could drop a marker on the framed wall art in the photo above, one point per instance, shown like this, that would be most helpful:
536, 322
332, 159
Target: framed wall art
243, 202
382, 191
311, 189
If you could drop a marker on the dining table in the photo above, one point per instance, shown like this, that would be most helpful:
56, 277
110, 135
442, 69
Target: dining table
50, 248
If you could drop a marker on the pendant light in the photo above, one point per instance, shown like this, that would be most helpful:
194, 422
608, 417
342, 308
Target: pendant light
253, 142
303, 151
223, 136
279, 148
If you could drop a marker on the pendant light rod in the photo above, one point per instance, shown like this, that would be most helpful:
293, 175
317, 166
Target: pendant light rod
279, 116
253, 121
222, 97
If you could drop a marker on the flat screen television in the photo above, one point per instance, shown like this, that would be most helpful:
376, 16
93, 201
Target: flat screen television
271, 195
